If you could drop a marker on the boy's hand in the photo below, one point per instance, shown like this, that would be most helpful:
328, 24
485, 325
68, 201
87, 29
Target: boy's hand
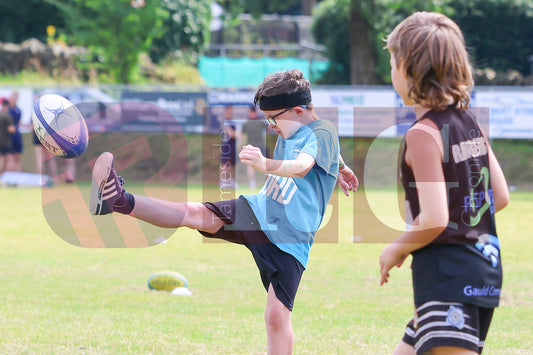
347, 180
253, 157
390, 257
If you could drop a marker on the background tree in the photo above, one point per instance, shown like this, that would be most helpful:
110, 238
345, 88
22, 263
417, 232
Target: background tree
331, 29
499, 33
353, 33
28, 19
114, 31
185, 31
363, 31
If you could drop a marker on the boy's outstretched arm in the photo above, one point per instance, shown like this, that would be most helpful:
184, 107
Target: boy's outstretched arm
295, 168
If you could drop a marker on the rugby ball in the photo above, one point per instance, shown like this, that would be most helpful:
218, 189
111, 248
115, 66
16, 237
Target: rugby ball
60, 126
166, 281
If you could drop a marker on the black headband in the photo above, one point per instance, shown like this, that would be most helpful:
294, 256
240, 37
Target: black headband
277, 102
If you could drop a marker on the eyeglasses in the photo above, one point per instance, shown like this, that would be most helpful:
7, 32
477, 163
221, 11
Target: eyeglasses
272, 119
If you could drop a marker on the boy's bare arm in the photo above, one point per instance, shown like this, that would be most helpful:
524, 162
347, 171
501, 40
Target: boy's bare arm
295, 168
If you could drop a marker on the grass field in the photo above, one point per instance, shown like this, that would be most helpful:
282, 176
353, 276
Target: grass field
62, 299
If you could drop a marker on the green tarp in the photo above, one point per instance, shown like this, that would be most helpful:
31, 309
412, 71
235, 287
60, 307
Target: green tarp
248, 72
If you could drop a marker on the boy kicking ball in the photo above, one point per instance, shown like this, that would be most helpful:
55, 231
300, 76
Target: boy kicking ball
279, 223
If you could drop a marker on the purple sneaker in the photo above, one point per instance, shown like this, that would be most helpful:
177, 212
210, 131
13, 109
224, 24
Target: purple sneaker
106, 187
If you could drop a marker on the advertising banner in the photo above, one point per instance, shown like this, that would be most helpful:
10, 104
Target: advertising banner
511, 111
186, 110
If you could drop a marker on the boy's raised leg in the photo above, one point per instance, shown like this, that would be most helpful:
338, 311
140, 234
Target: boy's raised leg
108, 195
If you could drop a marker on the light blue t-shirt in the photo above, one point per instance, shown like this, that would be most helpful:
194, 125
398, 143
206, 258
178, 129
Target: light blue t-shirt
290, 210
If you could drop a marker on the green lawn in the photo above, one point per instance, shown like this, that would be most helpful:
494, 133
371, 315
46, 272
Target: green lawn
62, 299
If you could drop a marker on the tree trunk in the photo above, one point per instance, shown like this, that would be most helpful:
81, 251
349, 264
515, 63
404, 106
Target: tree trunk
362, 55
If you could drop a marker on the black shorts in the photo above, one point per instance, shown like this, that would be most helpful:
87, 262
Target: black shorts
16, 143
448, 324
5, 150
276, 267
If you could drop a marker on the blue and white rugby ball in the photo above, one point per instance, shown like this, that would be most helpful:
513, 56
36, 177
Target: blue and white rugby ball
166, 281
60, 126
